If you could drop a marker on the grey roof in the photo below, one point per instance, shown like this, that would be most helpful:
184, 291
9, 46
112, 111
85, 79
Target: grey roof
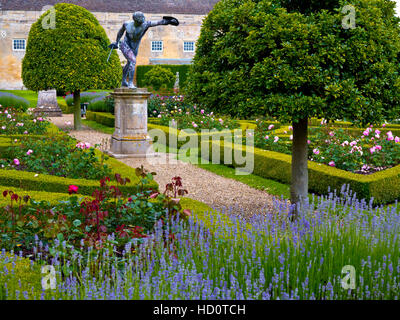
200, 7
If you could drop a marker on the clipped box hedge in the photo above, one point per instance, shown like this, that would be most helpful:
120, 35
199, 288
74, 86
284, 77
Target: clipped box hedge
104, 118
27, 180
383, 186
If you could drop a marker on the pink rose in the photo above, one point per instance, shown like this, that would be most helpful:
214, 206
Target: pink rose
29, 152
72, 189
16, 162
332, 163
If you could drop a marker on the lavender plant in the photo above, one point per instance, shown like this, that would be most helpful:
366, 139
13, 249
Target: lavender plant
267, 257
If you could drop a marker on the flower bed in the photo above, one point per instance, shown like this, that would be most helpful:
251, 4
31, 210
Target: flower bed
12, 123
373, 150
57, 155
179, 114
185, 260
91, 220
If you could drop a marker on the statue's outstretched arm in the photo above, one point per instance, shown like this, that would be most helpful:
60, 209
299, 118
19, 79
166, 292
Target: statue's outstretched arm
157, 23
165, 20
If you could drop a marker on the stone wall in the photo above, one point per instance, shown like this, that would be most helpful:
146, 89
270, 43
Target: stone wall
16, 25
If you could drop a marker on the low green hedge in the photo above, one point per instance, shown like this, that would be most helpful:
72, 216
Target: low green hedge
65, 108
383, 186
103, 118
52, 197
27, 180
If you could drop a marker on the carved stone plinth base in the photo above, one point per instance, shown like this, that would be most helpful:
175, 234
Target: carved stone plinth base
47, 104
47, 112
130, 138
131, 148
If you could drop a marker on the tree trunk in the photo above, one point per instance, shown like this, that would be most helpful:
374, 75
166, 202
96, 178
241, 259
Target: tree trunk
77, 110
299, 185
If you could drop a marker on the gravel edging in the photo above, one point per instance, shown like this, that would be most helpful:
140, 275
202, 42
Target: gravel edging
227, 195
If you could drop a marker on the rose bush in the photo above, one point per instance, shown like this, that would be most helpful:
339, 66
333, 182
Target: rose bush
12, 123
366, 153
57, 155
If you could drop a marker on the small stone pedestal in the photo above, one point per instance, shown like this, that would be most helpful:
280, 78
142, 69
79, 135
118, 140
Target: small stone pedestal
130, 138
47, 104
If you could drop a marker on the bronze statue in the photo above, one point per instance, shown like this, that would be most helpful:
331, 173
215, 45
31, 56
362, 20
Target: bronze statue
135, 30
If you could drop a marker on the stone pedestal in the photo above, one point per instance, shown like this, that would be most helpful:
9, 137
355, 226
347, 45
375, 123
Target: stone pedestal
130, 138
47, 104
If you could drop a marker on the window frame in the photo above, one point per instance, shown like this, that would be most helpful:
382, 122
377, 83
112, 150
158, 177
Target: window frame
188, 41
159, 41
14, 41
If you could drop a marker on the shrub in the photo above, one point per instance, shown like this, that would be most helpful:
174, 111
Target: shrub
21, 273
255, 57
86, 97
9, 100
102, 104
12, 123
57, 155
158, 77
103, 118
182, 69
71, 57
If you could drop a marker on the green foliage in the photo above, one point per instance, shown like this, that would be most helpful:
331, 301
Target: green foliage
71, 57
18, 272
104, 118
383, 186
44, 182
158, 77
13, 123
103, 105
255, 58
58, 155
308, 6
10, 101
182, 69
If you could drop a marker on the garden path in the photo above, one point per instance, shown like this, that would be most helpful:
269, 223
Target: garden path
218, 192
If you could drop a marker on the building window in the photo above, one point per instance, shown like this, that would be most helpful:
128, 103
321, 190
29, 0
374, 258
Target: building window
19, 44
156, 46
188, 46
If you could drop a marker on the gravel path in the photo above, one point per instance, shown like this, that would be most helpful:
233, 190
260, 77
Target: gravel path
218, 192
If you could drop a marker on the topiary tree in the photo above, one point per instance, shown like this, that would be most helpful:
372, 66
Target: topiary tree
256, 58
70, 57
158, 77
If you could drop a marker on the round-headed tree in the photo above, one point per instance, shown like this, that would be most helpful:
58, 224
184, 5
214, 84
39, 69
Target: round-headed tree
69, 56
261, 58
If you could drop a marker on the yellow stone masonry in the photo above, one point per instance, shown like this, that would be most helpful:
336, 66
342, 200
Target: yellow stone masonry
16, 25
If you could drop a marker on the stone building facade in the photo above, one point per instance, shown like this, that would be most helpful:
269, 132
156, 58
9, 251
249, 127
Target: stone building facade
161, 45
